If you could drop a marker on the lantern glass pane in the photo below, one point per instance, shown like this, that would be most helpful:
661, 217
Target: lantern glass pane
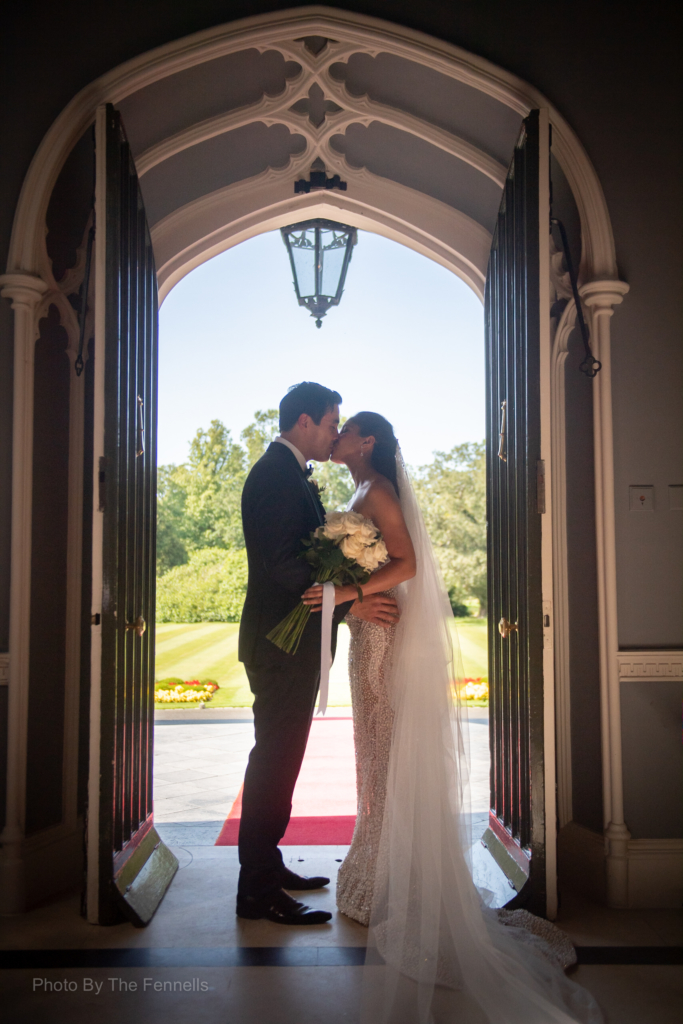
303, 255
333, 245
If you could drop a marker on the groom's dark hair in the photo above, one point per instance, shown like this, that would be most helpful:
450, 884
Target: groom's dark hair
308, 397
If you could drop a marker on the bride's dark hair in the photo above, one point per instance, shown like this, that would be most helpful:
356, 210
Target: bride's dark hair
384, 451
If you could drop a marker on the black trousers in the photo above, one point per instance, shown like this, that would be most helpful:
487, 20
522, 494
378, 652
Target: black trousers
285, 689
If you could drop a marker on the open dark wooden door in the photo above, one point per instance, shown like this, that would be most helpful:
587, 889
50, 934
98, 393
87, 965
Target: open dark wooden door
522, 821
128, 868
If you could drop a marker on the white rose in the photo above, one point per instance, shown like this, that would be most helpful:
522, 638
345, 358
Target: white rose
335, 527
353, 521
367, 531
373, 556
352, 547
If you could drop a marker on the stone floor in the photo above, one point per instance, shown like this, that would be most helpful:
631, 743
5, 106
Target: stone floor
291, 976
60, 970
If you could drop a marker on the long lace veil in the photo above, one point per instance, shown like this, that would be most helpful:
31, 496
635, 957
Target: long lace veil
435, 952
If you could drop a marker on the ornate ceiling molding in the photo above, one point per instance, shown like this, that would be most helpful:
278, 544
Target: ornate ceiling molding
350, 33
316, 70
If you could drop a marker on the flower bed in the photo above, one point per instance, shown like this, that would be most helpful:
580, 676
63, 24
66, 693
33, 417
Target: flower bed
475, 692
177, 691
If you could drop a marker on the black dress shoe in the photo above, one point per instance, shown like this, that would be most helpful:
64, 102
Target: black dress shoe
290, 880
281, 908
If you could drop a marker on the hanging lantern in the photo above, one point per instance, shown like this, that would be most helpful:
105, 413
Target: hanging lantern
320, 253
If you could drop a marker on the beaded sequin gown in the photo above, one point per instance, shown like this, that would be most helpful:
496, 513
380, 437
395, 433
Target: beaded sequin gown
369, 660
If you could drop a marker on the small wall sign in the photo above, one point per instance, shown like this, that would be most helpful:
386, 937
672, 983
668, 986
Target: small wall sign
641, 498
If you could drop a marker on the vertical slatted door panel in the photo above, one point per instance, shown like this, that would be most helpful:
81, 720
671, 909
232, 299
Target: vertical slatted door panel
516, 835
134, 868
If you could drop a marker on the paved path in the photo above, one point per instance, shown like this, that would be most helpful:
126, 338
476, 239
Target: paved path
199, 768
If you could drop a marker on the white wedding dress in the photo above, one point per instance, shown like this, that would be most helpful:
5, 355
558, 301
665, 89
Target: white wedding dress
436, 953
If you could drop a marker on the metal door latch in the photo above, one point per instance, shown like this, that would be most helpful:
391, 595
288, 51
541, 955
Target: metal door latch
505, 628
502, 452
138, 625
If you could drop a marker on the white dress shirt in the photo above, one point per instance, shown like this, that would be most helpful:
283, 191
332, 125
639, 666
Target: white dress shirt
293, 448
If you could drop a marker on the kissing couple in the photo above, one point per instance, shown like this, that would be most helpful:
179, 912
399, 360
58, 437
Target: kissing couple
435, 949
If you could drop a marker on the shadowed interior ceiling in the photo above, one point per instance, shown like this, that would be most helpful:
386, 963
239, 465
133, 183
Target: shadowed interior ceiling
386, 124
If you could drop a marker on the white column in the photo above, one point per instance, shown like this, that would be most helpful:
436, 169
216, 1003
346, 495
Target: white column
25, 292
600, 297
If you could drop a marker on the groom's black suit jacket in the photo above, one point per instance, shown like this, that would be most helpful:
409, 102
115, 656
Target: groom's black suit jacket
279, 510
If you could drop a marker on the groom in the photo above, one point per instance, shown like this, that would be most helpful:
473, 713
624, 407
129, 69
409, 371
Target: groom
279, 509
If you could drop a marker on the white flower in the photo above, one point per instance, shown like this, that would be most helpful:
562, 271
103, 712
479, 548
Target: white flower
373, 556
367, 531
352, 547
335, 527
342, 524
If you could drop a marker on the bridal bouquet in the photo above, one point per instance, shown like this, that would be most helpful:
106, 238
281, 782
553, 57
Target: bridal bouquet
346, 550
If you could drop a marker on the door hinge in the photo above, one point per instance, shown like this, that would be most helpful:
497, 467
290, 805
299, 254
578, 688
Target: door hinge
540, 486
101, 480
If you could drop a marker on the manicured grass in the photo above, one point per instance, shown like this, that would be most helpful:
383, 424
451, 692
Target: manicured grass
472, 634
203, 650
208, 650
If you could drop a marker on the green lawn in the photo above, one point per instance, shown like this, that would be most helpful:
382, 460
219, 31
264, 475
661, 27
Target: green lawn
208, 650
203, 650
472, 634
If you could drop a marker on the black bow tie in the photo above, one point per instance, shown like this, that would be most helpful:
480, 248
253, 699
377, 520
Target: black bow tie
307, 472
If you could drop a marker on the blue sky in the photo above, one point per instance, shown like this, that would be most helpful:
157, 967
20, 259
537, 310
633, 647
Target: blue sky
407, 341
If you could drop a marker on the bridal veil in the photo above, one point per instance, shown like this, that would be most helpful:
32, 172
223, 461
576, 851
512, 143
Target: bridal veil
436, 953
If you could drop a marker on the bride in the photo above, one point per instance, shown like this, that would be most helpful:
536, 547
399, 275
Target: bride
436, 952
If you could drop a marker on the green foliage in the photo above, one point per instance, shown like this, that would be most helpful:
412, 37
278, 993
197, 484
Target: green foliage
460, 611
338, 484
199, 502
210, 588
451, 491
171, 532
199, 521
213, 481
258, 435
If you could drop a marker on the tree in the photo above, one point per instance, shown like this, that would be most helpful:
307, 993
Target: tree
451, 491
258, 435
210, 588
200, 523
171, 497
199, 501
213, 479
337, 483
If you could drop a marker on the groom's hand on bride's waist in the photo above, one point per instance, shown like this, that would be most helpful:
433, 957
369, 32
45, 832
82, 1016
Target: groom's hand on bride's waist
377, 608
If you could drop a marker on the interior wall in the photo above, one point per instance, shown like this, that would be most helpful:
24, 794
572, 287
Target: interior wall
70, 207
45, 739
584, 651
653, 758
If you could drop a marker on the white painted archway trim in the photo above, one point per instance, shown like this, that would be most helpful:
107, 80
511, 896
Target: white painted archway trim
188, 237
28, 279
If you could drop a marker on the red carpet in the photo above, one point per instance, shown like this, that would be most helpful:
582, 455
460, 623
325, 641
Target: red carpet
324, 802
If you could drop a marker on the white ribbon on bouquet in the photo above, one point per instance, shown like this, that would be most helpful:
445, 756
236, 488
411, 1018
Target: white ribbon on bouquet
326, 645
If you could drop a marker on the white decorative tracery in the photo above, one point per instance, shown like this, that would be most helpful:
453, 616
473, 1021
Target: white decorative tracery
315, 70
